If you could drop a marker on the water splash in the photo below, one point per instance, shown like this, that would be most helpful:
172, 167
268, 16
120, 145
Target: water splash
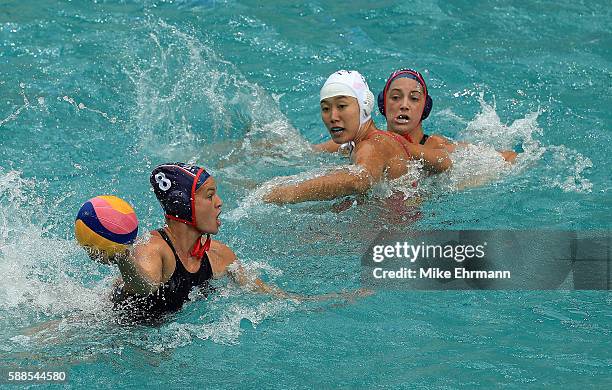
185, 87
221, 324
479, 163
82, 106
487, 128
574, 166
26, 105
42, 273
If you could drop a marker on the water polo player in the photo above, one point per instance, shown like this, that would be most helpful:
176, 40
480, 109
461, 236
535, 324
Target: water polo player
405, 102
346, 106
159, 274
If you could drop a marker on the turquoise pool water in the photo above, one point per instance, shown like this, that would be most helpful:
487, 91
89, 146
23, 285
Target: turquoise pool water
94, 94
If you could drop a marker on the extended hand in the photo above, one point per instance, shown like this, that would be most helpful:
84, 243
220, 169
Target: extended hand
348, 296
509, 155
103, 257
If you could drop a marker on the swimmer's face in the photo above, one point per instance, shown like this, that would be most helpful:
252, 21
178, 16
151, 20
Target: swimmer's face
341, 117
405, 102
208, 207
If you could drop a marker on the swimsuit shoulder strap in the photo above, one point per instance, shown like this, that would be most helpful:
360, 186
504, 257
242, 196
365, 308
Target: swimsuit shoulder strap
206, 267
166, 238
424, 139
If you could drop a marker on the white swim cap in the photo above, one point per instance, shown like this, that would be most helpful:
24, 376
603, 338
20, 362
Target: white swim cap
350, 83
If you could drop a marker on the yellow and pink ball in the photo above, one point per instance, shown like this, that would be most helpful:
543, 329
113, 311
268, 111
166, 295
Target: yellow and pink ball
106, 223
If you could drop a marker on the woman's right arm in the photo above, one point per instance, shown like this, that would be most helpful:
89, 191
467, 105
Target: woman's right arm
335, 184
223, 261
141, 269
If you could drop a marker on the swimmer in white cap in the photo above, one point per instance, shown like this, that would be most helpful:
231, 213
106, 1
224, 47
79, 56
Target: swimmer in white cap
405, 103
346, 107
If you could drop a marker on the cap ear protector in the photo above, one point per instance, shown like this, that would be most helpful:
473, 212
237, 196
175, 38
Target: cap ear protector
408, 73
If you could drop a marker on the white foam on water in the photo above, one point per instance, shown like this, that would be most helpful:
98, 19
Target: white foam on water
182, 81
478, 164
406, 184
487, 128
221, 326
254, 268
571, 176
42, 274
448, 114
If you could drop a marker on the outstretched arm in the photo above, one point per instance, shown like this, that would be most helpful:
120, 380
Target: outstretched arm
336, 184
238, 274
222, 256
223, 261
330, 186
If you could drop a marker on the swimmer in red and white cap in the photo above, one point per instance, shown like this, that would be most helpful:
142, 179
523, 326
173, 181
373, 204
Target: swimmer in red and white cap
405, 102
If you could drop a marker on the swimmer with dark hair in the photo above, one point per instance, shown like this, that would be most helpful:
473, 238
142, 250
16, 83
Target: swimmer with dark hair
159, 274
346, 106
405, 102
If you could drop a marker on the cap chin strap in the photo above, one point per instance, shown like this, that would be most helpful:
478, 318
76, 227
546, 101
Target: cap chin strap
346, 148
199, 249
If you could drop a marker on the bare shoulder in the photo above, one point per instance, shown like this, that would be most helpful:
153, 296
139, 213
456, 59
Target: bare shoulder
377, 138
152, 245
437, 140
220, 249
369, 146
220, 257
383, 141
367, 151
150, 257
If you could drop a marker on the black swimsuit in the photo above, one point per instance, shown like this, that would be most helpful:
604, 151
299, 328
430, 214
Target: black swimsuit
424, 139
170, 296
